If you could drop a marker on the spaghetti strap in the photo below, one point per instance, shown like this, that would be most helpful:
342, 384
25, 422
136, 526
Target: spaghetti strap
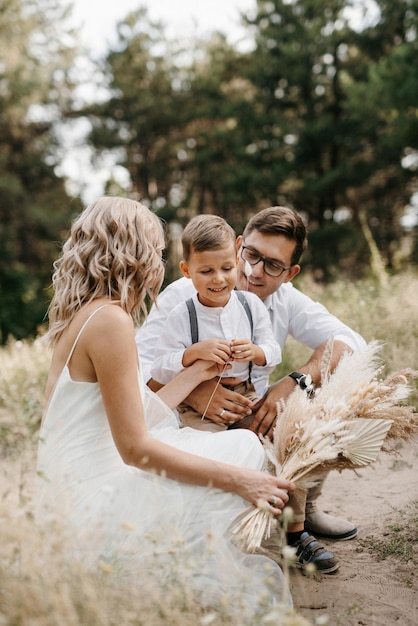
69, 357
81, 330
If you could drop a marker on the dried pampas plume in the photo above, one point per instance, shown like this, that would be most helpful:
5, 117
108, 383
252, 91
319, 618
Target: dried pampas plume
355, 390
352, 416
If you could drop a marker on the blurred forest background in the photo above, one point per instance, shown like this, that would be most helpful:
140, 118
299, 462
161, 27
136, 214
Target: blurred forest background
320, 113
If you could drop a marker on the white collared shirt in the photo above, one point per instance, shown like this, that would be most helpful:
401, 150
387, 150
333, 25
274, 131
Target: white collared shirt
291, 313
228, 322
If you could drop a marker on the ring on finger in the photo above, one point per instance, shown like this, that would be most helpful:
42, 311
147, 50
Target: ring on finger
274, 500
221, 414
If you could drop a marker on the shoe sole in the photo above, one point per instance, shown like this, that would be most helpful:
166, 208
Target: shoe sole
351, 534
329, 570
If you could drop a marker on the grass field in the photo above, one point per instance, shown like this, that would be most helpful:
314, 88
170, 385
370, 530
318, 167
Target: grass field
30, 592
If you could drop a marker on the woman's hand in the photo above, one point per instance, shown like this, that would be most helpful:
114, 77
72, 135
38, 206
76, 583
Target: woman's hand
265, 490
200, 373
208, 369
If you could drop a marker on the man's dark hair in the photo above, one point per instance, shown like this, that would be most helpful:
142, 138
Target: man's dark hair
280, 220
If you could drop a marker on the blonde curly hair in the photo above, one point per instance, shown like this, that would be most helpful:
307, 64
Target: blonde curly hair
112, 251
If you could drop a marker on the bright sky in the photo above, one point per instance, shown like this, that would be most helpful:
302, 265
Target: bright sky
96, 21
182, 18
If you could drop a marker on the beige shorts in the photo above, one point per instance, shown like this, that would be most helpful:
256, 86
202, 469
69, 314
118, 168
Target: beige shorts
189, 417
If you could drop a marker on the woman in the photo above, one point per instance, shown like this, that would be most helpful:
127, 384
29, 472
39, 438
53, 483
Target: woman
112, 460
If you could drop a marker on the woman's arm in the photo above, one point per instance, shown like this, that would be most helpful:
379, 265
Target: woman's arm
110, 344
186, 381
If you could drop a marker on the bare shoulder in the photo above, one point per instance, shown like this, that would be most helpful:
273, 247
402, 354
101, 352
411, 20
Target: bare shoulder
110, 340
109, 325
112, 319
104, 330
113, 312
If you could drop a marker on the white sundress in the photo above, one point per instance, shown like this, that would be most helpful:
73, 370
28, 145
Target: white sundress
138, 522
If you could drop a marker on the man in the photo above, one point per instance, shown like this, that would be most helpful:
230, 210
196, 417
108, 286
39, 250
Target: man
272, 243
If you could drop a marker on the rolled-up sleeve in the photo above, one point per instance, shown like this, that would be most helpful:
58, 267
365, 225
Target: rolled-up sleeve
312, 324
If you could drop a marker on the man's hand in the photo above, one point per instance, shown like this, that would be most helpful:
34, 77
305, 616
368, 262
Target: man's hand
232, 405
265, 410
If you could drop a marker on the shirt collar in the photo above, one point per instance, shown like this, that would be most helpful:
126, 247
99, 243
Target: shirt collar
268, 302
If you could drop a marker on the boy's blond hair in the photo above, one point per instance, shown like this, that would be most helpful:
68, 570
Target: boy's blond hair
206, 232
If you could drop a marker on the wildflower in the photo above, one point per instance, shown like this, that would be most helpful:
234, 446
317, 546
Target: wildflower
105, 567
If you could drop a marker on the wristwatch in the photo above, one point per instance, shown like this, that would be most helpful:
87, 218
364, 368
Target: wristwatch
304, 381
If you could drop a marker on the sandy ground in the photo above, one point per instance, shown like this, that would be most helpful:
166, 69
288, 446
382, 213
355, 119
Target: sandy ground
366, 591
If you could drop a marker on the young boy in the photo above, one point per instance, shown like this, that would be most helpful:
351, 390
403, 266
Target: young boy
217, 323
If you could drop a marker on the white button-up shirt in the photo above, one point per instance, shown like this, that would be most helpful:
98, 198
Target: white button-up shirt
228, 322
291, 313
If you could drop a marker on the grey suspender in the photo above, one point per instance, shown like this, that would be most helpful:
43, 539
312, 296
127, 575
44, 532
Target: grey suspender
194, 328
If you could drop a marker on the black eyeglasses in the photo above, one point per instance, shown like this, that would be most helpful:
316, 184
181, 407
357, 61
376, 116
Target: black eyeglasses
271, 268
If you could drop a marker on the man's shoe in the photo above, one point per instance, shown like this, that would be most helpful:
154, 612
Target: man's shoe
327, 526
310, 552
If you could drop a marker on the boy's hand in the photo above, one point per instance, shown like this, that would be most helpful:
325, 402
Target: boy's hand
245, 350
216, 350
242, 349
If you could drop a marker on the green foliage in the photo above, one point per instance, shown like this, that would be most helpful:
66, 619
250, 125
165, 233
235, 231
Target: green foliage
332, 248
142, 117
386, 314
343, 105
321, 115
23, 373
34, 207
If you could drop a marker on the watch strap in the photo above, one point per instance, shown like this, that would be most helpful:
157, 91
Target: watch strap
304, 381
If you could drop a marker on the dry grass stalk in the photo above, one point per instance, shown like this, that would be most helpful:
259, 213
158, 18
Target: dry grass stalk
343, 426
23, 373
